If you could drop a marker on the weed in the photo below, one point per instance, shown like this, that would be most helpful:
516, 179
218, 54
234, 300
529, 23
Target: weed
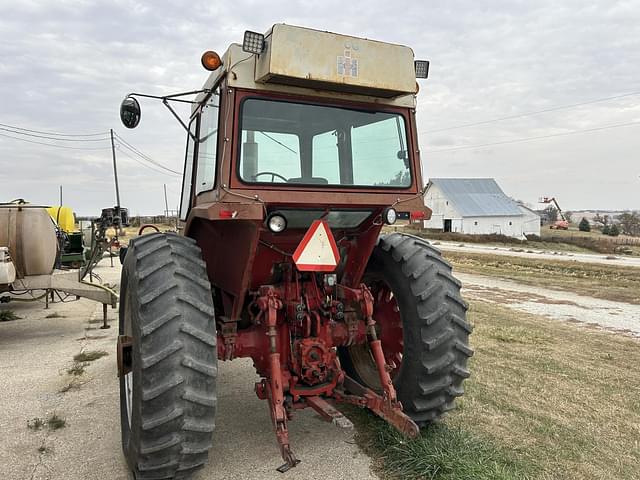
89, 356
35, 423
8, 315
77, 369
54, 315
56, 423
74, 384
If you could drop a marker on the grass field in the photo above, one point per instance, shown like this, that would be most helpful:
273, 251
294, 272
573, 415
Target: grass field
599, 281
550, 236
550, 240
545, 401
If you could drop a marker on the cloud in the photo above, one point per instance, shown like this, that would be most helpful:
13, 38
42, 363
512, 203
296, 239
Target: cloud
65, 67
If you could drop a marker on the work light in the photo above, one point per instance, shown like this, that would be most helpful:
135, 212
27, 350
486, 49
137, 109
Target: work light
389, 215
253, 42
276, 223
422, 68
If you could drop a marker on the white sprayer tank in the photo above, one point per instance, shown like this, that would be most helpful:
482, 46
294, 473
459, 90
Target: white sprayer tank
30, 235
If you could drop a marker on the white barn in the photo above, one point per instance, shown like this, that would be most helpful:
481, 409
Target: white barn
477, 206
531, 221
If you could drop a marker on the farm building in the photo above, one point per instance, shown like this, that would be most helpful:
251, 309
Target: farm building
477, 206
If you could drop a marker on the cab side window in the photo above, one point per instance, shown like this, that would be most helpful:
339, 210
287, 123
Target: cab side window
208, 144
187, 179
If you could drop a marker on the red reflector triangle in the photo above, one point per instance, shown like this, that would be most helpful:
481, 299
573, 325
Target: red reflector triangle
317, 251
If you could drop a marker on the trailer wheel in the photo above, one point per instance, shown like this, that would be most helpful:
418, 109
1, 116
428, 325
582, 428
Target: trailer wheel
422, 325
167, 358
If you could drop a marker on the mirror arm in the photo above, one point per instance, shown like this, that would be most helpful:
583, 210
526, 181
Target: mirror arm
165, 101
173, 96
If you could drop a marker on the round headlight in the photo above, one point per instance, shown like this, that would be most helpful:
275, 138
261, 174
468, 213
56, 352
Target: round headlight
276, 223
390, 215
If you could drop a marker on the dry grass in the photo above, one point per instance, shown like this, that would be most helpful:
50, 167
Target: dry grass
572, 241
77, 369
600, 281
545, 401
89, 356
563, 398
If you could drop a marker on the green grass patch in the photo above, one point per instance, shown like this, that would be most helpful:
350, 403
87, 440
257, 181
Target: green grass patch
8, 315
441, 452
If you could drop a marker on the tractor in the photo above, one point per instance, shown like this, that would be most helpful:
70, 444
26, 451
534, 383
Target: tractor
301, 146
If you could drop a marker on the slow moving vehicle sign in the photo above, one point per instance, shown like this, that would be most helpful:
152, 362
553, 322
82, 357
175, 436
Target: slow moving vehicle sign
317, 251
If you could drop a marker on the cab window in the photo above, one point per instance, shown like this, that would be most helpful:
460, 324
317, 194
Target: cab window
208, 144
187, 178
301, 143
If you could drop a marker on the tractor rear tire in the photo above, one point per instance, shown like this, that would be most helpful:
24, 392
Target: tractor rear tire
168, 400
435, 332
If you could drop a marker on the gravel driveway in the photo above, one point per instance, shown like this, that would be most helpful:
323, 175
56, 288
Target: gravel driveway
556, 304
35, 354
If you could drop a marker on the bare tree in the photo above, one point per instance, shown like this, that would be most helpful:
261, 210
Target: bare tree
550, 213
567, 216
630, 223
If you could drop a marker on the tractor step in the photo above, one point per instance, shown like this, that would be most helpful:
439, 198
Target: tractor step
329, 412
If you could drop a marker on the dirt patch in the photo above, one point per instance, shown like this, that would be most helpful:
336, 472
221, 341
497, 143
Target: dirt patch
615, 283
503, 296
555, 304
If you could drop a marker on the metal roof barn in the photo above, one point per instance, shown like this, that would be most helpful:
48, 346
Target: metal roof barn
477, 197
476, 206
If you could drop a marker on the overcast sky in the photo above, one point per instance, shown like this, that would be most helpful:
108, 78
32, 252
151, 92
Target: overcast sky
66, 65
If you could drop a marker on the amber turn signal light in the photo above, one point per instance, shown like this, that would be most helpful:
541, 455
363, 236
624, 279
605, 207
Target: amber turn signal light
211, 60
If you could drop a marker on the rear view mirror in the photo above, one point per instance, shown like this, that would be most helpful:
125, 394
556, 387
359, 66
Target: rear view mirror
130, 112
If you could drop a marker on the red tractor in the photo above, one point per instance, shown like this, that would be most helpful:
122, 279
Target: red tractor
301, 146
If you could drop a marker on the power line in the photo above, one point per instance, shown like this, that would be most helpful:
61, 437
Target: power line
54, 138
53, 144
529, 139
159, 165
132, 148
520, 115
143, 156
142, 163
53, 133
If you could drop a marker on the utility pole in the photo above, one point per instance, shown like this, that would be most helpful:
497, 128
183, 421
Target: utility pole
166, 203
115, 172
60, 195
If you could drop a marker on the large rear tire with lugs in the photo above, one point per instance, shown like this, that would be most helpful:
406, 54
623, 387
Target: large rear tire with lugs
168, 394
422, 324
